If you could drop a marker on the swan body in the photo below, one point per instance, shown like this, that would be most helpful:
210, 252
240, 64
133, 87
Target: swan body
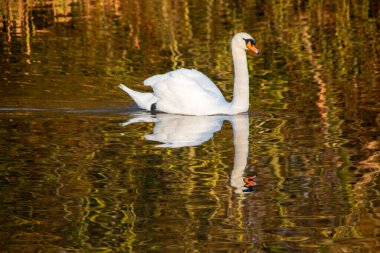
189, 92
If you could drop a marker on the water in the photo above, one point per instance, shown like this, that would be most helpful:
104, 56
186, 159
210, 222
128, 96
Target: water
83, 170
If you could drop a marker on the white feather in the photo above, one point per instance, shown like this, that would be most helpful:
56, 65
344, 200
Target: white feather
143, 100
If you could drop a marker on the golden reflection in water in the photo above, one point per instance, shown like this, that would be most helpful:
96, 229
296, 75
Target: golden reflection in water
95, 191
175, 131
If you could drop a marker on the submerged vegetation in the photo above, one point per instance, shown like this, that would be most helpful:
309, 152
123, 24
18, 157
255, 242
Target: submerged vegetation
74, 181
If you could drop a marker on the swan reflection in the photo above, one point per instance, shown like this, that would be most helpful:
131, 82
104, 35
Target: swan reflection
175, 131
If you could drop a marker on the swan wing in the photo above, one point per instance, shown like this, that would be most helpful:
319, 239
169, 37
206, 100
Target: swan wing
186, 91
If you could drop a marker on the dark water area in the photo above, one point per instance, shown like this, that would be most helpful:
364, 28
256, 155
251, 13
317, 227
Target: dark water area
82, 169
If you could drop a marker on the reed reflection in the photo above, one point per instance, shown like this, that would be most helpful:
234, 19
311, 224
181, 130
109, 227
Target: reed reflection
176, 131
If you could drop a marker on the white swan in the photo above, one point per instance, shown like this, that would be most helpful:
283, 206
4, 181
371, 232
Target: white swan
188, 91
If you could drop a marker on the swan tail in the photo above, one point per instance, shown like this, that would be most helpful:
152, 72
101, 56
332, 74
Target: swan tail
153, 80
143, 100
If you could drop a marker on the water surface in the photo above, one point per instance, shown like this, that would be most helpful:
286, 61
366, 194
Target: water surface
83, 170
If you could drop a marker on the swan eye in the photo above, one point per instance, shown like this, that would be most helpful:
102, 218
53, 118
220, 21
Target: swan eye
253, 42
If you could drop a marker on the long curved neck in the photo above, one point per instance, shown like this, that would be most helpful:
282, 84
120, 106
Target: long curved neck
240, 101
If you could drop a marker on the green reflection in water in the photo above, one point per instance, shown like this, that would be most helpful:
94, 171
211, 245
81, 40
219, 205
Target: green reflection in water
73, 179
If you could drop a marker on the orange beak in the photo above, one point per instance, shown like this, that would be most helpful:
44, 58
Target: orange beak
252, 48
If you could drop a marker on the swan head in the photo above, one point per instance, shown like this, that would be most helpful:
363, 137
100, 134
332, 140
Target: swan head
244, 41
